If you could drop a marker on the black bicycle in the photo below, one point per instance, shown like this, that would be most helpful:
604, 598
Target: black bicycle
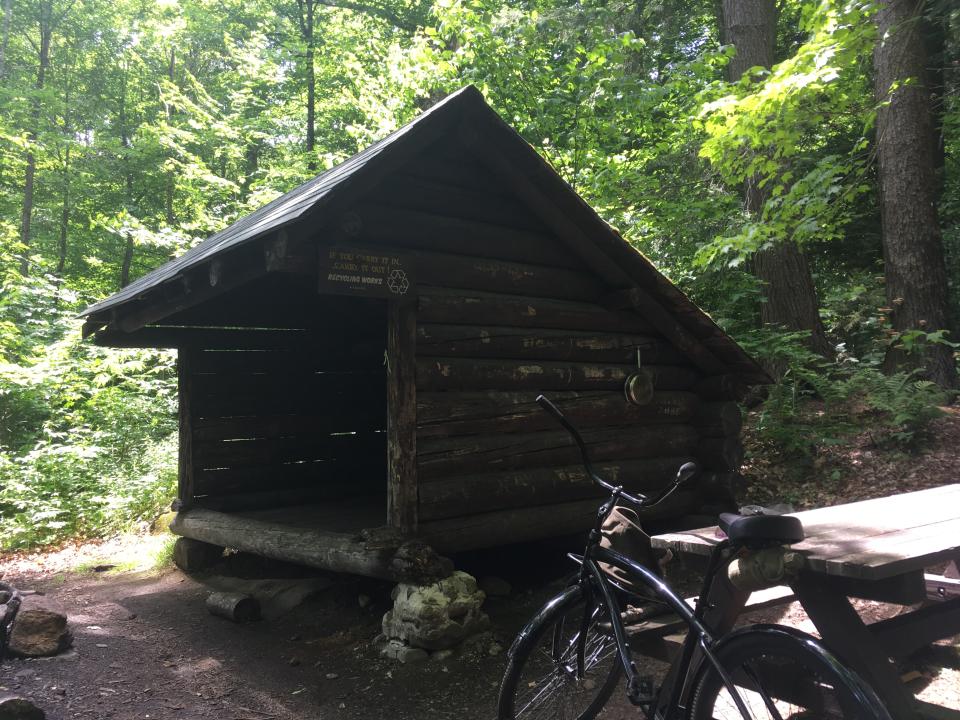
566, 663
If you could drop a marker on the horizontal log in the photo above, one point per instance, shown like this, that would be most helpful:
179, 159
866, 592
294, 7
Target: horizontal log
718, 419
329, 478
270, 451
723, 454
278, 498
468, 374
190, 336
414, 193
452, 166
333, 382
503, 527
333, 551
352, 357
447, 414
237, 607
302, 307
721, 387
229, 395
415, 230
484, 308
667, 323
471, 494
440, 457
492, 341
473, 273
349, 418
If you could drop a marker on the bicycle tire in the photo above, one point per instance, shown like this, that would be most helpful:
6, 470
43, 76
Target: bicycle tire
534, 682
784, 674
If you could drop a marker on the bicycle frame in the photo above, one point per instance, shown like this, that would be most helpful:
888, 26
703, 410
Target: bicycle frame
670, 701
699, 635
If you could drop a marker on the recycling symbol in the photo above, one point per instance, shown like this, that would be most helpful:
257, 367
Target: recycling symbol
398, 282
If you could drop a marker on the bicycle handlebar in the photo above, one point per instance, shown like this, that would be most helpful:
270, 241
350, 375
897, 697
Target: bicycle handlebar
684, 474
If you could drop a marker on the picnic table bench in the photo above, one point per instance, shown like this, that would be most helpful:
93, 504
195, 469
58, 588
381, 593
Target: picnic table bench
876, 550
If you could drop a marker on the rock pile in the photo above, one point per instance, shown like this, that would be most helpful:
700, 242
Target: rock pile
433, 617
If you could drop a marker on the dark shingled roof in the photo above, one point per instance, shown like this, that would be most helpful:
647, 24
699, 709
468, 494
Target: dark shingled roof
466, 106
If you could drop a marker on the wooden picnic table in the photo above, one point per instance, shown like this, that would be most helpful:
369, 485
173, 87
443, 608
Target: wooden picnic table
877, 550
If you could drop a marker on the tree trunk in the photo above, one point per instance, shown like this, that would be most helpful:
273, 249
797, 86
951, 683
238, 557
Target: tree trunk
65, 198
791, 298
128, 180
5, 42
916, 276
170, 182
935, 38
26, 215
306, 16
26, 212
64, 215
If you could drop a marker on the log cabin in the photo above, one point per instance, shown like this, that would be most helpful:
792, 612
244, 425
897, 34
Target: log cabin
358, 360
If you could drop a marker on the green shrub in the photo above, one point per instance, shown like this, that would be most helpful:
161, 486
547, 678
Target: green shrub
87, 435
817, 402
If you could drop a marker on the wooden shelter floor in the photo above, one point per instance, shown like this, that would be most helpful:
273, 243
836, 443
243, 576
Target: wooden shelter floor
346, 515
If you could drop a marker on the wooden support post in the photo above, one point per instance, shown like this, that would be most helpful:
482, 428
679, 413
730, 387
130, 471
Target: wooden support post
402, 495
185, 476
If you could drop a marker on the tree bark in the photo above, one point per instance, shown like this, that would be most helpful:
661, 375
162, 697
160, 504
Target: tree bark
26, 214
5, 43
65, 198
915, 272
170, 181
306, 16
128, 180
64, 215
790, 296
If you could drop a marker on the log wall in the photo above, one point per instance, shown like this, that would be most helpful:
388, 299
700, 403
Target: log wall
504, 309
507, 310
275, 425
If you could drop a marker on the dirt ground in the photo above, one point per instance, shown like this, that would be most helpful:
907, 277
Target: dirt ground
145, 646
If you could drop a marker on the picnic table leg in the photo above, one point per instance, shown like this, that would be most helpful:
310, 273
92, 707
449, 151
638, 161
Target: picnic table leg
845, 633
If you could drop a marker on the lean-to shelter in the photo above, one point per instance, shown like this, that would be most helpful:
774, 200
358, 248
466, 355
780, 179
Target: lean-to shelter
364, 353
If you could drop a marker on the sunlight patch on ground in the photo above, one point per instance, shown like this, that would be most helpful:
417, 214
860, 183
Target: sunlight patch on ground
133, 552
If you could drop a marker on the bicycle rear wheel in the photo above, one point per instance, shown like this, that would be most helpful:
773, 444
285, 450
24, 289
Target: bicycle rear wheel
781, 674
545, 679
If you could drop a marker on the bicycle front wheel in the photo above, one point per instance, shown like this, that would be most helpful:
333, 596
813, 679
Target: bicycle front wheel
781, 674
565, 663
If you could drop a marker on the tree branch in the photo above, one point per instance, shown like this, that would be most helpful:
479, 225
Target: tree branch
383, 13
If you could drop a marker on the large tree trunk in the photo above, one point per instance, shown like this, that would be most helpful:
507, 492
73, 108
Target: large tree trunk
916, 276
789, 293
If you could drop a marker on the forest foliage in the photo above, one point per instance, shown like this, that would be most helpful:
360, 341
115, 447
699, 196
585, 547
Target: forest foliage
130, 131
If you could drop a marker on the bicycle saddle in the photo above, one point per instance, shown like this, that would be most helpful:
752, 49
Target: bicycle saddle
761, 529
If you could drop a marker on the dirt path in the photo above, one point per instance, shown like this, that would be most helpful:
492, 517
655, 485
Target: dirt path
146, 648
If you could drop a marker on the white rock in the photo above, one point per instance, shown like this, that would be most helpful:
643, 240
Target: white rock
436, 616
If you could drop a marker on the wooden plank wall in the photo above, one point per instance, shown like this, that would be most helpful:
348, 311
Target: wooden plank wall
505, 311
291, 422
